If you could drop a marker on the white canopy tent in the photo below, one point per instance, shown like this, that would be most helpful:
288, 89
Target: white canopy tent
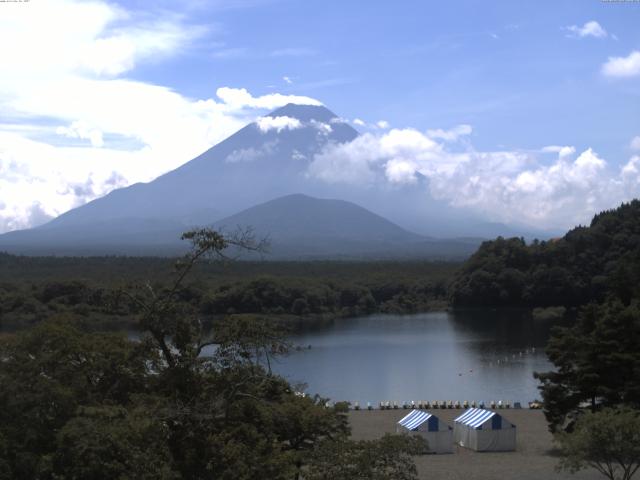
484, 431
438, 434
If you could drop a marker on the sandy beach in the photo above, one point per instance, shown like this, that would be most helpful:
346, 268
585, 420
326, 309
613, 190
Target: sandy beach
533, 458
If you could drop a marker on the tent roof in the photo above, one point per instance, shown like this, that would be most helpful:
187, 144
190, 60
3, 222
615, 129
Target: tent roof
414, 419
474, 417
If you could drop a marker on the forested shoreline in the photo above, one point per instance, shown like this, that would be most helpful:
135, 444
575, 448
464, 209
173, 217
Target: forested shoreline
90, 289
595, 271
229, 416
78, 404
586, 265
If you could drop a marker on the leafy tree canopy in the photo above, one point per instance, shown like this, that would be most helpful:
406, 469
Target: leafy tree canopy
608, 441
597, 362
75, 404
585, 265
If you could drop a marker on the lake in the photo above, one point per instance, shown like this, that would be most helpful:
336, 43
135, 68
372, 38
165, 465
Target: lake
473, 355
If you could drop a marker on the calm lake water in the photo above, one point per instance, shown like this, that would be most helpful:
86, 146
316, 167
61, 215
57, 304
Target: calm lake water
475, 355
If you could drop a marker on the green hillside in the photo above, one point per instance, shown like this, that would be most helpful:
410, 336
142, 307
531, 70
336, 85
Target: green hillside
587, 264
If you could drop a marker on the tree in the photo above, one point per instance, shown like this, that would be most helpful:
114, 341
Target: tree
5, 467
386, 458
608, 440
107, 442
587, 264
183, 402
166, 319
228, 415
48, 372
597, 362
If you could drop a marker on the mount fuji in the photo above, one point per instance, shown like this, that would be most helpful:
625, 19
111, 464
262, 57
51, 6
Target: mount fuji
259, 177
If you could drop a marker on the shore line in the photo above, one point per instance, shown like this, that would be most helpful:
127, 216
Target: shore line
435, 405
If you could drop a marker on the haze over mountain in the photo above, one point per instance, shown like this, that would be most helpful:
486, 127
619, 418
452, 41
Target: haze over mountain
264, 160
305, 227
259, 162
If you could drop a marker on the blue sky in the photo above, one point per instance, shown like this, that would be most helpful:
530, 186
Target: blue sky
511, 69
96, 95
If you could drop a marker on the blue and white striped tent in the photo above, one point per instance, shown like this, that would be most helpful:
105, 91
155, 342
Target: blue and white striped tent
484, 431
438, 434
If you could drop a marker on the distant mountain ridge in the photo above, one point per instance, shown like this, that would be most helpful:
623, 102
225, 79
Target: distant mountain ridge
241, 171
267, 159
299, 215
298, 227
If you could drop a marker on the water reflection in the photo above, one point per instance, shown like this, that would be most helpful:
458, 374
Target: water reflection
481, 355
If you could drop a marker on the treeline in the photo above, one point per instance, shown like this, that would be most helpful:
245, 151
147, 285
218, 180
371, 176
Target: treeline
94, 405
596, 270
302, 291
587, 264
79, 404
108, 270
305, 296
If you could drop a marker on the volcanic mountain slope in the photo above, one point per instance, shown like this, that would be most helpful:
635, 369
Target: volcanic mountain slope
267, 159
302, 226
299, 226
263, 160
259, 162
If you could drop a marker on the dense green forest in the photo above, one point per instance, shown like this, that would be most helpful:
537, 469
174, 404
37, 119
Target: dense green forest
76, 403
595, 270
585, 265
36, 288
82, 405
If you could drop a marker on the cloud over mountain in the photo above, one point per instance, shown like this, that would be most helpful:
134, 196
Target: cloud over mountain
507, 186
72, 116
81, 117
277, 123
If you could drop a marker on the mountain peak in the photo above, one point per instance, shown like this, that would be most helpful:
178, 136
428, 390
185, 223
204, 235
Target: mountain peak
304, 113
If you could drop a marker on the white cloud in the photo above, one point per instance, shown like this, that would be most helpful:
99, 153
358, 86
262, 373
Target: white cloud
238, 98
323, 128
450, 135
628, 66
83, 131
287, 80
278, 123
507, 186
252, 154
589, 29
379, 125
92, 37
562, 151
401, 171
349, 163
336, 120
75, 81
631, 175
54, 179
635, 143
